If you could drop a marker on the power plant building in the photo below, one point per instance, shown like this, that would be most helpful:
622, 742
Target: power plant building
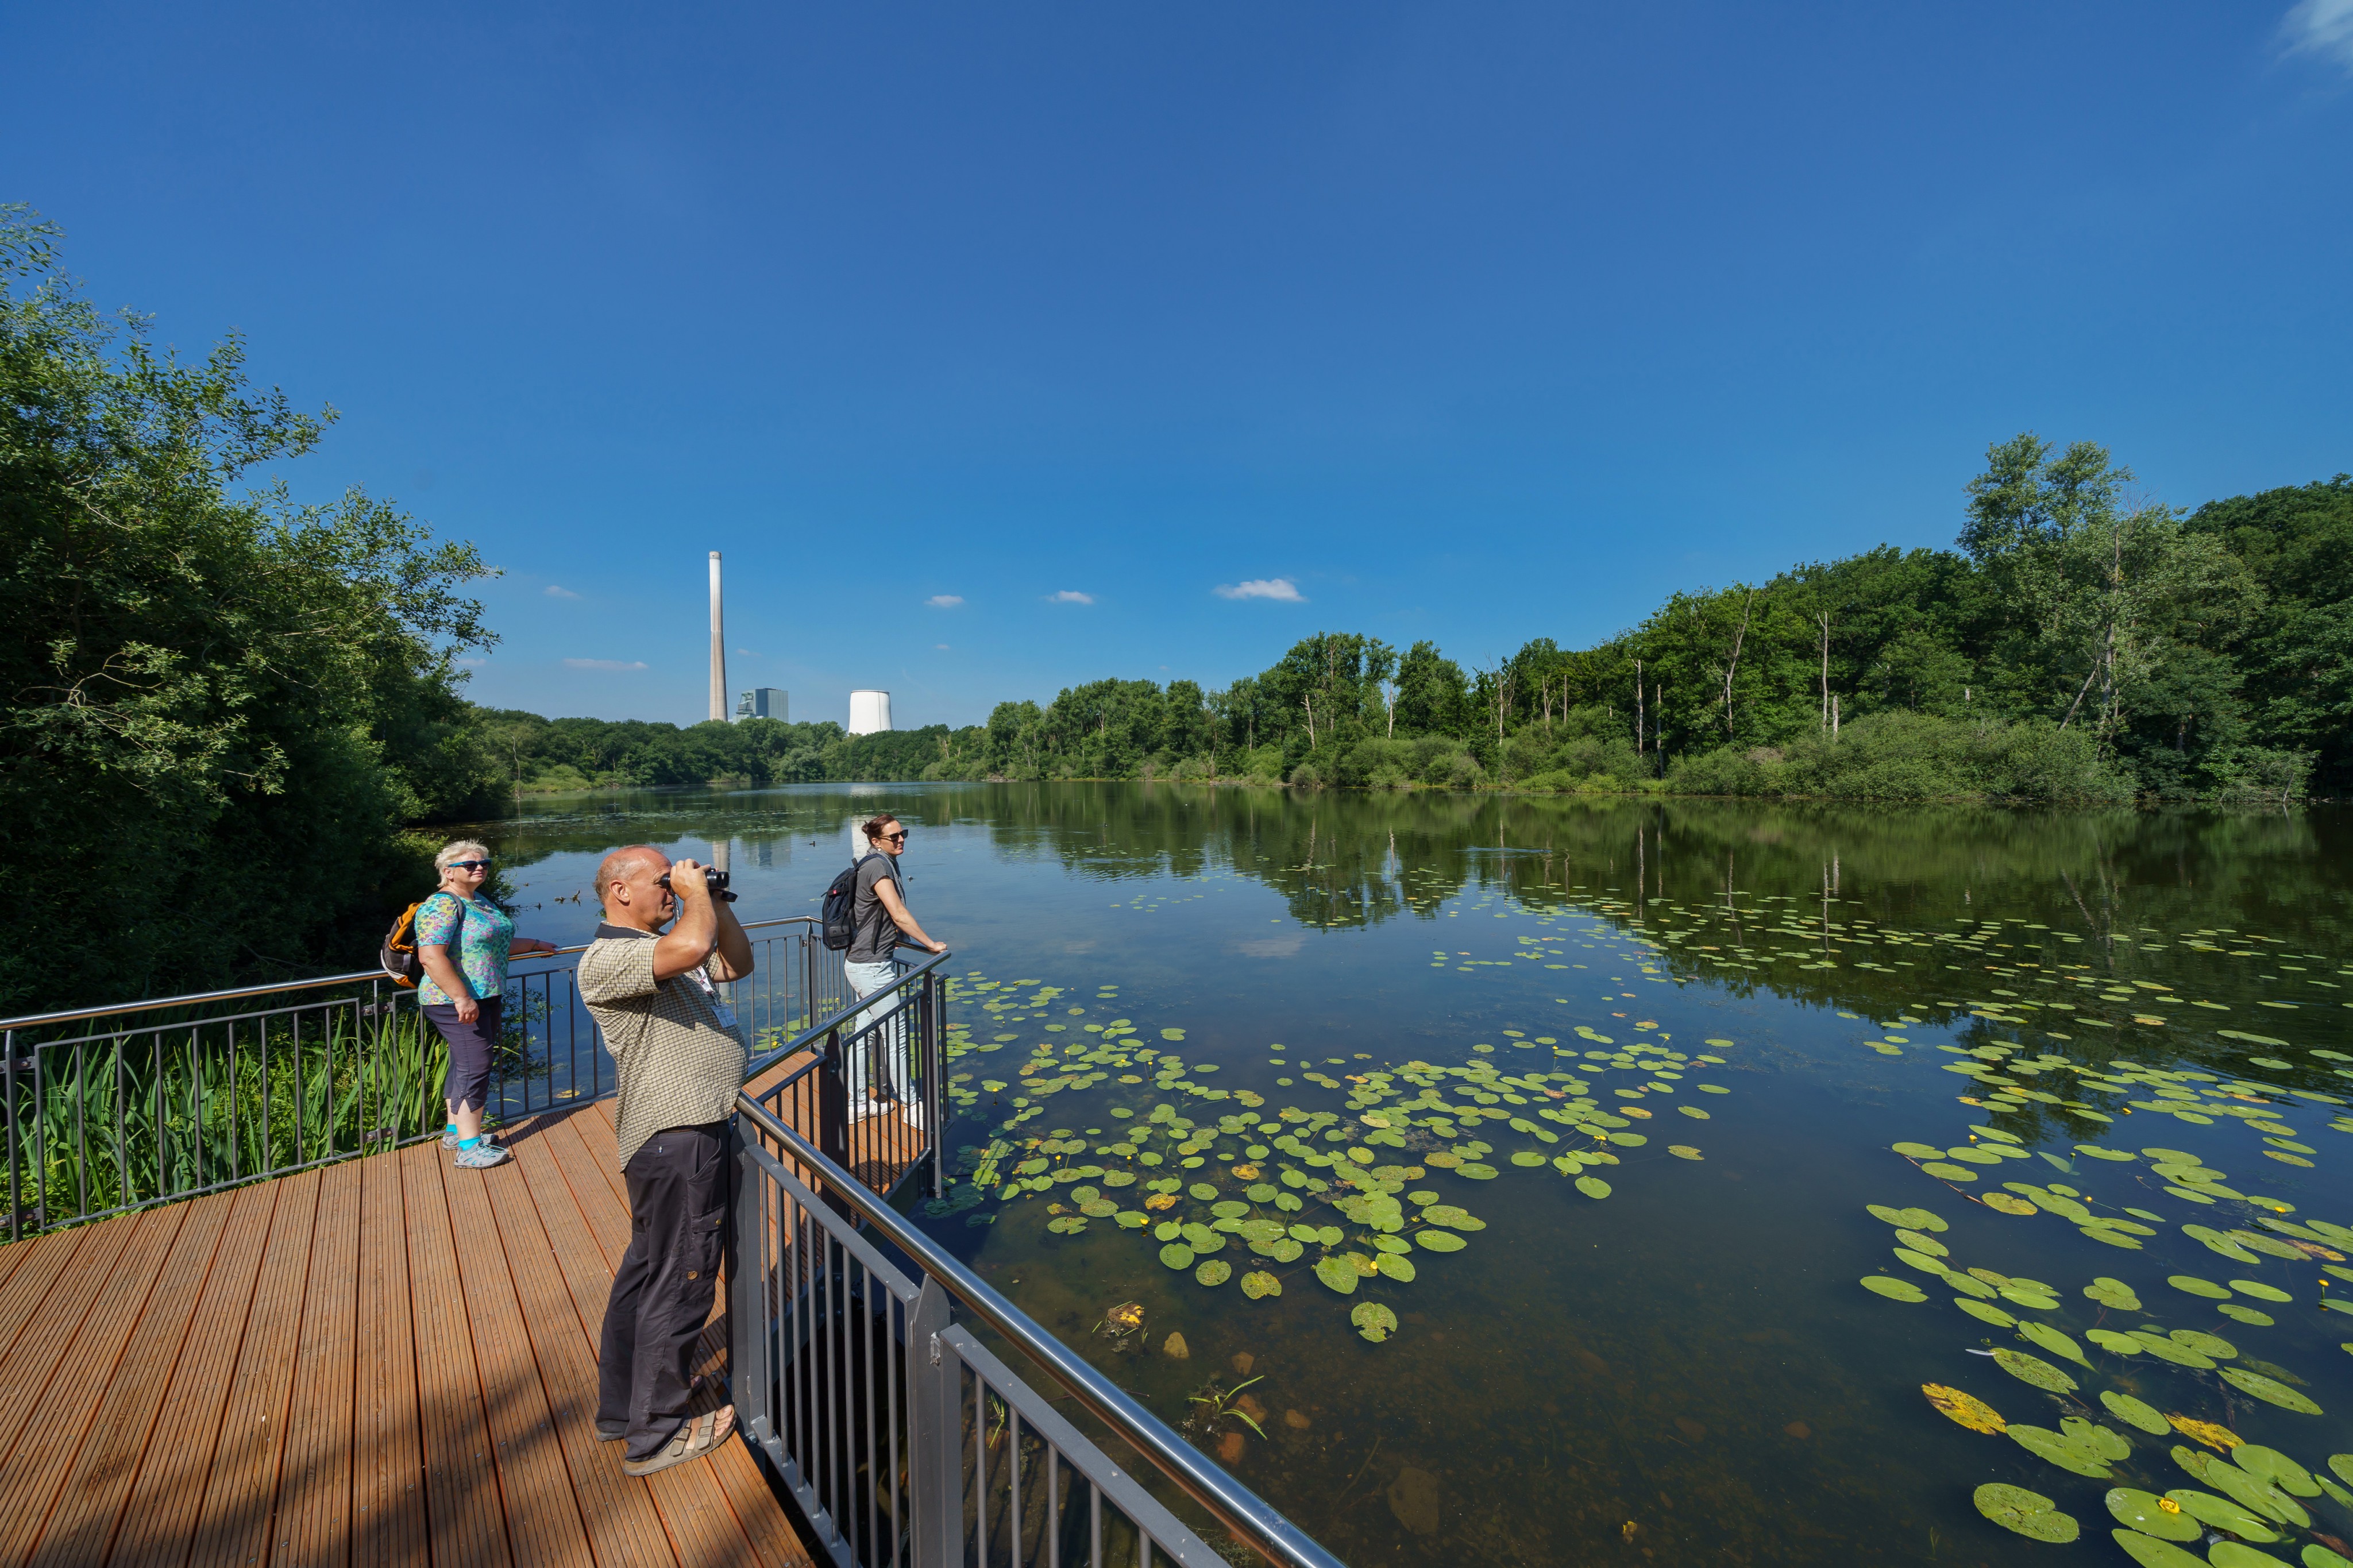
765, 702
869, 711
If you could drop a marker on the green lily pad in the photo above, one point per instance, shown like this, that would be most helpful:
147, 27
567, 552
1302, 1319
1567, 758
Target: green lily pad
2134, 1413
2033, 1369
2060, 1449
1969, 1285
1177, 1254
2256, 1493
1919, 1151
2029, 1514
1373, 1321
1685, 1152
2116, 1343
2140, 1509
1453, 1218
2260, 1291
2114, 1293
2151, 1552
1259, 1284
2197, 1286
1593, 1186
2051, 1340
1944, 1171
1286, 1251
2246, 1314
1980, 1310
1439, 1241
2318, 1556
2273, 1466
1396, 1265
2165, 1348
1337, 1273
2098, 1439
1099, 1208
1894, 1290
2270, 1390
1134, 1219
1527, 1157
1262, 1193
1216, 1271
2205, 1344
1927, 1244
2222, 1514
1478, 1172
1201, 1190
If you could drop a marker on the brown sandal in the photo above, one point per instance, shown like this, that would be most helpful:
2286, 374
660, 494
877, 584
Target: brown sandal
615, 1434
696, 1436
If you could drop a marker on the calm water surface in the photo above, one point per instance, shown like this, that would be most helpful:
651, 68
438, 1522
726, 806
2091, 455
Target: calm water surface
1653, 1343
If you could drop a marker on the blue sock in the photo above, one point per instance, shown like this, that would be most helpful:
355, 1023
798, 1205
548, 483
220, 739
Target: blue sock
450, 1126
468, 1142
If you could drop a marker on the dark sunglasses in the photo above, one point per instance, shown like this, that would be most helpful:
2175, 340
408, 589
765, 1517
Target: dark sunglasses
898, 837
468, 865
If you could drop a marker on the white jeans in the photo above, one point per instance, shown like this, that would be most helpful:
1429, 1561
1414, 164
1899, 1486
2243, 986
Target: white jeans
883, 1053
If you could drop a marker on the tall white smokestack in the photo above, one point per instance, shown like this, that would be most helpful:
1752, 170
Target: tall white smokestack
718, 648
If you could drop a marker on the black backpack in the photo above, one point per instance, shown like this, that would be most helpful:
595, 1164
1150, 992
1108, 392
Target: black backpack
837, 915
401, 963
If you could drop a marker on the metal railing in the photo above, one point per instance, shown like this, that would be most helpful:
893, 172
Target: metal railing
116, 1108
904, 1438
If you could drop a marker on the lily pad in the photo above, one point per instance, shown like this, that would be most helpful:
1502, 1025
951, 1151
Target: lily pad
1453, 1218
1339, 1273
1593, 1186
2060, 1449
1919, 1151
1373, 1321
1439, 1241
1396, 1265
2151, 1552
2007, 1202
1177, 1254
2098, 1439
2221, 1513
2033, 1369
2205, 1344
1894, 1290
2260, 1291
1966, 1409
2114, 1293
1685, 1152
1990, 1314
2134, 1413
2051, 1340
2270, 1390
2197, 1286
1919, 1243
2275, 1466
1945, 1170
2029, 1514
1258, 1284
2115, 1343
2149, 1514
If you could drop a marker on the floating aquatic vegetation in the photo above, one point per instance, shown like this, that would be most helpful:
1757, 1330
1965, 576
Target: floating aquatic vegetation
1374, 1321
1217, 1271
2029, 1514
2134, 1413
2115, 1293
1894, 1290
2270, 1390
2034, 1370
1965, 1408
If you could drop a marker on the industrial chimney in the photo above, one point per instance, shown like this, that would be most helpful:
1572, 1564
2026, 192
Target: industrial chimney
718, 649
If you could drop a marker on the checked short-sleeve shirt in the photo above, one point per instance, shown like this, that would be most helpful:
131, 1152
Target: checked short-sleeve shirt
678, 1055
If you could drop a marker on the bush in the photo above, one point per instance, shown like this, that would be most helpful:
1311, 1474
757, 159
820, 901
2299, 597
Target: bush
1915, 757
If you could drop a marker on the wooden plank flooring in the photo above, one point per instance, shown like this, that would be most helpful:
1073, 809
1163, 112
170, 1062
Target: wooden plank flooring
389, 1363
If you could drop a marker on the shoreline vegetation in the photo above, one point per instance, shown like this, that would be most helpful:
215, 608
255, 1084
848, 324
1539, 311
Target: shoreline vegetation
206, 678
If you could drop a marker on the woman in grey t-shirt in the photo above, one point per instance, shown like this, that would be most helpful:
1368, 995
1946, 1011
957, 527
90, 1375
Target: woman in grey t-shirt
875, 1070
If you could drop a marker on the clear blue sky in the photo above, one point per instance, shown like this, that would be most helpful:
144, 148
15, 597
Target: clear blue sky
1474, 322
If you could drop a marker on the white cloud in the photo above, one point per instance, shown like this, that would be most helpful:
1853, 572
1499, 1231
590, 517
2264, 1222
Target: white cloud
1281, 588
945, 601
1069, 596
2321, 27
471, 661
556, 593
941, 645
605, 664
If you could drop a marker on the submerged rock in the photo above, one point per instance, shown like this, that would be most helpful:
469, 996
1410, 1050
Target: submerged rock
1174, 1348
1413, 1497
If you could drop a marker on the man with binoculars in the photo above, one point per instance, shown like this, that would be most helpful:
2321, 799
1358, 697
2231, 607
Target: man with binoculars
678, 1056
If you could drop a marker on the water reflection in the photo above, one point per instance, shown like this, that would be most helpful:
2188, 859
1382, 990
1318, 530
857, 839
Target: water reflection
1687, 1371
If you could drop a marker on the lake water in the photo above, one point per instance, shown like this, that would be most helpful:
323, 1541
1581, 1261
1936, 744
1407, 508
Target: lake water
1653, 1342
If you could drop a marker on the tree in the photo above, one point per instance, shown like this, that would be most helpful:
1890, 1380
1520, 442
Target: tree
221, 708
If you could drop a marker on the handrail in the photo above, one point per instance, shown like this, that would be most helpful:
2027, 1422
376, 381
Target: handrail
198, 998
809, 1037
1236, 1507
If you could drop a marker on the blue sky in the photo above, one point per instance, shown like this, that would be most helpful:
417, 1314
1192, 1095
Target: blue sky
1473, 322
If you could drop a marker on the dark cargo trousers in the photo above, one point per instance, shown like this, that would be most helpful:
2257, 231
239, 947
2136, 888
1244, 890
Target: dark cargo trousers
681, 1189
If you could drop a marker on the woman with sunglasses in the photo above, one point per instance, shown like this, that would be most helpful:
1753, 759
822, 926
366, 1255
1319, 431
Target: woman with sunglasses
876, 1071
463, 990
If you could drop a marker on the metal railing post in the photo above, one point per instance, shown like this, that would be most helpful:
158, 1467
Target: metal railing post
934, 1450
747, 1309
934, 1027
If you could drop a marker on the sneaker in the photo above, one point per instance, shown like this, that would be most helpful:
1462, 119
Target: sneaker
860, 1110
482, 1156
911, 1112
449, 1139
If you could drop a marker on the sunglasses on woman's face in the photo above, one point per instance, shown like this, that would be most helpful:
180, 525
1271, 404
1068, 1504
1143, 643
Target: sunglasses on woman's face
470, 864
898, 837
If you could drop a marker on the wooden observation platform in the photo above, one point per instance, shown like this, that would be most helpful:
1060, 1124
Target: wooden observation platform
382, 1362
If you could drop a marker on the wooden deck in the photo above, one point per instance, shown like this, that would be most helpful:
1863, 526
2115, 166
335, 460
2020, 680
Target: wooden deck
386, 1361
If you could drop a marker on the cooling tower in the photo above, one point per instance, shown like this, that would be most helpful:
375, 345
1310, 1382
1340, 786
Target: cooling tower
869, 711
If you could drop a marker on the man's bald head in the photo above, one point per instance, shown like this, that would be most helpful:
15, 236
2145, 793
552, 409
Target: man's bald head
628, 875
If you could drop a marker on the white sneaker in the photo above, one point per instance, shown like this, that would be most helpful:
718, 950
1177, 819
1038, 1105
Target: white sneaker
860, 1110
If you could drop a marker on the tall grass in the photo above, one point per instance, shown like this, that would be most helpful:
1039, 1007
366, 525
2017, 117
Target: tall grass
113, 1122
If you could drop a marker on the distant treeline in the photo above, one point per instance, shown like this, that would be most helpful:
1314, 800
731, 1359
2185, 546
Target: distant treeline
2073, 647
